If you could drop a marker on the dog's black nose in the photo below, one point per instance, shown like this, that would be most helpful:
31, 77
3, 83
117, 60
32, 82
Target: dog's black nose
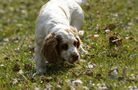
75, 57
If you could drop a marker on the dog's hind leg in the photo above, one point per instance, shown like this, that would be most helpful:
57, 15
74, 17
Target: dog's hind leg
77, 18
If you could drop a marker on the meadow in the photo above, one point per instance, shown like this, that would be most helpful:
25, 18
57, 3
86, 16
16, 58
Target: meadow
110, 37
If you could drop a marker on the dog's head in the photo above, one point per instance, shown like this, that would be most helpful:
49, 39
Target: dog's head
63, 45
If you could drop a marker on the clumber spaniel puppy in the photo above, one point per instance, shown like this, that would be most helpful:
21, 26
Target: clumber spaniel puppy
56, 35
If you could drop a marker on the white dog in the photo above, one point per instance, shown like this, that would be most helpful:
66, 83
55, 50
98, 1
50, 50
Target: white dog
56, 32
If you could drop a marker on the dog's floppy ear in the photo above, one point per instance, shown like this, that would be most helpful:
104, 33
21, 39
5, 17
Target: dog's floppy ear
75, 32
49, 48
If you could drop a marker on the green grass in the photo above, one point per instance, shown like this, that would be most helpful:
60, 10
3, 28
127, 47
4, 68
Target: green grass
17, 27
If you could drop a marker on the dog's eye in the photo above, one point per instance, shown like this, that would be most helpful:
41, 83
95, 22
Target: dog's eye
64, 46
75, 43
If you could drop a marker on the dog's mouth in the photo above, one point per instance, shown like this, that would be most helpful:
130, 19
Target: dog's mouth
69, 61
63, 60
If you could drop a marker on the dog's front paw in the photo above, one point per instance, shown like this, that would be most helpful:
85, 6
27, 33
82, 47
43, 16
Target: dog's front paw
84, 51
41, 70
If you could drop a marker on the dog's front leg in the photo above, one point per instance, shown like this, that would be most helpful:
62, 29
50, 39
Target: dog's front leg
82, 50
39, 60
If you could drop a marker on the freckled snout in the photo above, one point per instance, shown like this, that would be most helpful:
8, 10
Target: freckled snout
75, 57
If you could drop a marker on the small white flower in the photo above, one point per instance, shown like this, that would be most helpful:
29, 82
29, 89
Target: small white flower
72, 88
6, 39
85, 88
130, 23
132, 76
96, 35
49, 87
1, 65
99, 85
20, 72
58, 86
103, 88
37, 88
113, 74
90, 66
116, 14
130, 87
82, 60
93, 84
107, 31
127, 37
77, 82
68, 81
19, 25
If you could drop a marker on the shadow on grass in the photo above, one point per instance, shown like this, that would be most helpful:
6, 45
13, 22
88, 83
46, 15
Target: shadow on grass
58, 69
54, 69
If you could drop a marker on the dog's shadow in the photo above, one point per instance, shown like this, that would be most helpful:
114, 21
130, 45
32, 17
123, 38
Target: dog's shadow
57, 69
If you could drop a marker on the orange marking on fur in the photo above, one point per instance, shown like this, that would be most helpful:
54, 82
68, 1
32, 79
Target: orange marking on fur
64, 12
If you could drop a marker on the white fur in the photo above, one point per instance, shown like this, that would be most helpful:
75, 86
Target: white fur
57, 16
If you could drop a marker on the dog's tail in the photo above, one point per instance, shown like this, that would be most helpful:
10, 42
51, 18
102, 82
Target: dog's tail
81, 2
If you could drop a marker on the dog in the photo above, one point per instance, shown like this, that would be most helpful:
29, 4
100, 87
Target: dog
56, 34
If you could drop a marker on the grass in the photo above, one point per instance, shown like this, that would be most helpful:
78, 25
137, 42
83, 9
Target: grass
17, 27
